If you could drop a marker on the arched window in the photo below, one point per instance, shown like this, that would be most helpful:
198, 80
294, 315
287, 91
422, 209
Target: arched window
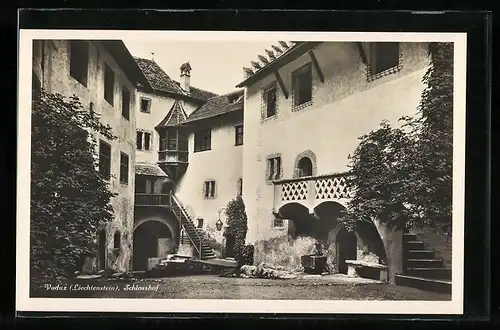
305, 167
116, 240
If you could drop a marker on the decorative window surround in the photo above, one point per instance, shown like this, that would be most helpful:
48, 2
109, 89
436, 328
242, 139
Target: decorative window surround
263, 114
143, 140
270, 180
209, 189
309, 154
306, 67
371, 77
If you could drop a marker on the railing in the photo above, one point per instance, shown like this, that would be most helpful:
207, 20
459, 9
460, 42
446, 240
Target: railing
311, 189
179, 213
142, 199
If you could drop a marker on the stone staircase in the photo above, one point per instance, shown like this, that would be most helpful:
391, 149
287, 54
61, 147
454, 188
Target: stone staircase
421, 268
195, 235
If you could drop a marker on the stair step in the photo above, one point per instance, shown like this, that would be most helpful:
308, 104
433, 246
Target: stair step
424, 263
409, 237
415, 245
433, 273
422, 283
421, 254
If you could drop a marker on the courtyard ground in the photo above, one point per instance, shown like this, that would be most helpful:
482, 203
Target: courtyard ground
215, 287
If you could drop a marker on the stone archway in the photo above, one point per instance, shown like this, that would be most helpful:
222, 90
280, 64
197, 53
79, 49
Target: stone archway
153, 238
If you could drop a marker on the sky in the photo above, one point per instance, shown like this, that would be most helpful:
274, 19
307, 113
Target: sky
217, 66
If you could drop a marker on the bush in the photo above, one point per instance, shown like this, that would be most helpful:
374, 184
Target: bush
245, 257
237, 227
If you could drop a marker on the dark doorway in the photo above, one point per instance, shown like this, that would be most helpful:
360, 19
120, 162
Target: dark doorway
102, 250
146, 244
346, 244
230, 246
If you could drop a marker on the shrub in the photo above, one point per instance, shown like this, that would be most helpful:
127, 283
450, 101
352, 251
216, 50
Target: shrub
246, 255
237, 226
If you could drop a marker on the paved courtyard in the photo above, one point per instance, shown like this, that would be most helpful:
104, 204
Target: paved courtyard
215, 287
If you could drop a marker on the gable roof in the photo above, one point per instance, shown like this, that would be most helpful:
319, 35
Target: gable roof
277, 57
160, 81
174, 117
217, 106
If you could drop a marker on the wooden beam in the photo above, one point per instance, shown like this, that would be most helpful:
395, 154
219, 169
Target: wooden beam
282, 85
316, 66
362, 52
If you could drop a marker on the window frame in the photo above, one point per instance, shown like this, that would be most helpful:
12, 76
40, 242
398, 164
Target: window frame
209, 189
274, 168
138, 145
238, 136
148, 100
376, 53
147, 140
266, 114
200, 222
109, 84
124, 180
200, 142
107, 173
298, 73
83, 58
126, 101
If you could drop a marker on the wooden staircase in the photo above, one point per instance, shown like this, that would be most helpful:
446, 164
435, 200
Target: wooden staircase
421, 269
195, 235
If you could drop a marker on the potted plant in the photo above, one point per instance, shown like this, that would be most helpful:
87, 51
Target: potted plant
314, 263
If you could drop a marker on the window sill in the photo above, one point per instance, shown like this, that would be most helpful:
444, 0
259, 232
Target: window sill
146, 112
302, 106
201, 150
125, 184
266, 119
371, 77
79, 82
238, 144
205, 197
127, 119
109, 103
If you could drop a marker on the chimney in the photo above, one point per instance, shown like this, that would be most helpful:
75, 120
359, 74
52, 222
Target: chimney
185, 76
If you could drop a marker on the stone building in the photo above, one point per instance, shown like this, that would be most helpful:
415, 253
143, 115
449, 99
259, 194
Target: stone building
103, 75
306, 104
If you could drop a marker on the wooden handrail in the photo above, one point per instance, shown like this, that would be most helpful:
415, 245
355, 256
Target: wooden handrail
183, 213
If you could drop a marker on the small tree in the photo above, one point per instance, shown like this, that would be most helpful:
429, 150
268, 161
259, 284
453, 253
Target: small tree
237, 226
403, 176
69, 198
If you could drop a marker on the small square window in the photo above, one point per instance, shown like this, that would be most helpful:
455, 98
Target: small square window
203, 140
209, 189
145, 105
200, 223
274, 168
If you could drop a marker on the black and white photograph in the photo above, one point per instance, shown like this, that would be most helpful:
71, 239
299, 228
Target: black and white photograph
185, 171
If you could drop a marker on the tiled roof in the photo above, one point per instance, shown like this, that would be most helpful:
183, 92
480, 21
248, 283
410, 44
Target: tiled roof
218, 105
158, 79
150, 170
175, 116
277, 56
161, 81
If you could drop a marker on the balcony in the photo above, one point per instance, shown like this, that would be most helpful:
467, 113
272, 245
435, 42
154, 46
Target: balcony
311, 191
142, 199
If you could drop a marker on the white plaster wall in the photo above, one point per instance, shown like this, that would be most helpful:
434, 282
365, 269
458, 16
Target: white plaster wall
58, 80
160, 106
344, 107
223, 163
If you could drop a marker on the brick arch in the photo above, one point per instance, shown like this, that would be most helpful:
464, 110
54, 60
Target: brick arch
309, 154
